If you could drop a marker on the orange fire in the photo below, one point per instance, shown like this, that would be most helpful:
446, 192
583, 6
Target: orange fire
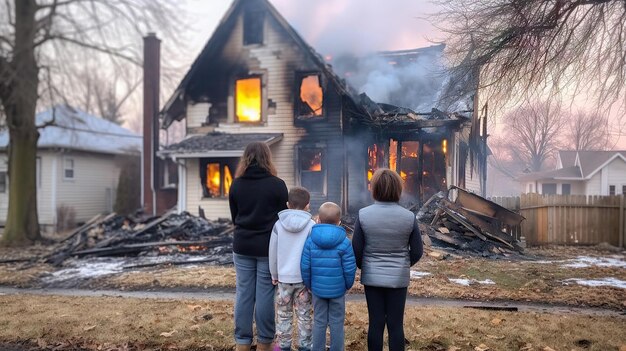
311, 94
393, 154
444, 146
228, 180
213, 179
316, 163
248, 100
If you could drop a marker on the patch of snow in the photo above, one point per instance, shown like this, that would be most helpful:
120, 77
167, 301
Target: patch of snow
418, 275
586, 261
90, 269
460, 281
468, 282
612, 282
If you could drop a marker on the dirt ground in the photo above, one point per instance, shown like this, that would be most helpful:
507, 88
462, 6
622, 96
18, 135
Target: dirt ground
114, 323
543, 279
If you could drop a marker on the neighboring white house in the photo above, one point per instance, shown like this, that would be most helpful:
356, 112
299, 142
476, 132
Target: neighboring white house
581, 173
77, 164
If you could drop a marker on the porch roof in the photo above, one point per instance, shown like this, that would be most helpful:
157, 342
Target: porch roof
568, 173
217, 145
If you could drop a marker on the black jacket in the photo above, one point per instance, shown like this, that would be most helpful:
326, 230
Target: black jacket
255, 199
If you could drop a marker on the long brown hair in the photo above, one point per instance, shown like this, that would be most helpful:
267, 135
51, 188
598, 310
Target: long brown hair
256, 153
386, 185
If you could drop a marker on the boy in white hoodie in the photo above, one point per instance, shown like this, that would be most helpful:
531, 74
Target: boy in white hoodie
286, 242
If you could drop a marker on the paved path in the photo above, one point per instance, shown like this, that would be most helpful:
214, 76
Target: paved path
229, 294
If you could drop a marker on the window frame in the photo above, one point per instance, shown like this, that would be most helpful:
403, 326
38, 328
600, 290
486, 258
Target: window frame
231, 162
65, 169
261, 108
543, 191
324, 170
612, 189
4, 182
299, 76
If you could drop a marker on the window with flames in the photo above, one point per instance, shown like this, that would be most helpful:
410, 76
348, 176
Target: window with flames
216, 176
248, 100
312, 169
310, 100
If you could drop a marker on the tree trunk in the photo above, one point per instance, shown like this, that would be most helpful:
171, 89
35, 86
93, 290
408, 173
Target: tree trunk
22, 225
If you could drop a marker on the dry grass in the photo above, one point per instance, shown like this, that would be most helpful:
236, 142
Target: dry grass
142, 324
173, 277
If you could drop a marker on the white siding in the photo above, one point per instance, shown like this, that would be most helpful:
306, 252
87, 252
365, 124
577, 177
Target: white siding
45, 206
594, 185
616, 175
196, 114
472, 179
87, 192
213, 208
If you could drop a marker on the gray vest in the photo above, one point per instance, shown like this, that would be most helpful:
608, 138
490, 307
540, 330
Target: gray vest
386, 227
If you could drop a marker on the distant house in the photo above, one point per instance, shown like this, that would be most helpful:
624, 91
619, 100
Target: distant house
581, 173
258, 80
77, 164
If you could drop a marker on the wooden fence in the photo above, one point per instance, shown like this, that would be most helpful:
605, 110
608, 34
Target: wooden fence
569, 219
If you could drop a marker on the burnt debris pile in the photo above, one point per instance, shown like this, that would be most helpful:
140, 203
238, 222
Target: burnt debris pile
468, 225
172, 233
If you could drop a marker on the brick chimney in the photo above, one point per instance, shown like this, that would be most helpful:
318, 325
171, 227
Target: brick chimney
151, 79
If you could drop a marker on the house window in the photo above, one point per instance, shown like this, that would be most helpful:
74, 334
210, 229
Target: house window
3, 182
253, 26
611, 189
548, 189
310, 101
248, 100
566, 189
312, 169
68, 168
216, 176
623, 189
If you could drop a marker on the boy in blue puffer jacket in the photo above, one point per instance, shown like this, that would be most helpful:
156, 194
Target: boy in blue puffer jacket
328, 267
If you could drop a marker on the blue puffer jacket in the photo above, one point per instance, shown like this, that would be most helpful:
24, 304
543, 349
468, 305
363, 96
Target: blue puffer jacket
328, 265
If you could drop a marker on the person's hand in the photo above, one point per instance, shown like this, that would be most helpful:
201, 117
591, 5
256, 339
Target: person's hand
275, 281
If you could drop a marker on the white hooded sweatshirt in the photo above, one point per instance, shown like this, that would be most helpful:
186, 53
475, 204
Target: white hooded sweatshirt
286, 242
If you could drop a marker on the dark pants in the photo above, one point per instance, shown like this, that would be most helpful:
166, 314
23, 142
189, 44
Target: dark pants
385, 306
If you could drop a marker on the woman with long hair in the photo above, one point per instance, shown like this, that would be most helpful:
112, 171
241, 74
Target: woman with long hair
386, 242
256, 196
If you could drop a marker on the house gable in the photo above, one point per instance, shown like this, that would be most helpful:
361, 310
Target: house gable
227, 57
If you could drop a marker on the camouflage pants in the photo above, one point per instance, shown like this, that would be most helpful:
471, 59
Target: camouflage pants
290, 297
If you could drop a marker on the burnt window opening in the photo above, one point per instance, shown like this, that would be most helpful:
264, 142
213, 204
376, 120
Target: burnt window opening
216, 176
310, 99
253, 21
312, 169
3, 182
421, 167
248, 100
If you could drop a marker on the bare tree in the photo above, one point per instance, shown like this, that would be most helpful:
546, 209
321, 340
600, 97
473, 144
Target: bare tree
587, 131
37, 37
533, 133
534, 47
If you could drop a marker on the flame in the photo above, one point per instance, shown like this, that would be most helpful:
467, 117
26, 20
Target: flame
315, 164
248, 99
444, 146
311, 94
403, 175
228, 180
393, 154
213, 179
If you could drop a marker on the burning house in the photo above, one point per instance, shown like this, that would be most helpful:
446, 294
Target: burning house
258, 80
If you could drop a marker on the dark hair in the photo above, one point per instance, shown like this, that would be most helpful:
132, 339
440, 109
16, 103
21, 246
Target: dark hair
329, 213
299, 197
386, 185
259, 153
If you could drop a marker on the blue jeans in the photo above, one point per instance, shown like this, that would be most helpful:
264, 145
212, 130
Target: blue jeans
254, 296
328, 313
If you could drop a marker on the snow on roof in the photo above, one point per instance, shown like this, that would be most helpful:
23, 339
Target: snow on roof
74, 129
